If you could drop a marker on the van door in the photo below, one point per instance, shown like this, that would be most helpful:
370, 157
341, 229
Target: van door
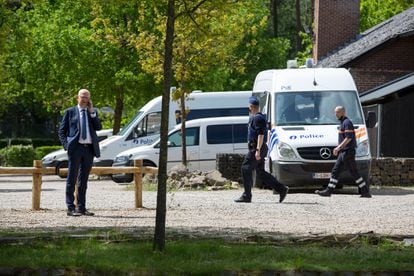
240, 138
193, 148
219, 139
146, 132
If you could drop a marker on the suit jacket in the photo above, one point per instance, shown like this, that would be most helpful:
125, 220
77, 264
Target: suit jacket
69, 130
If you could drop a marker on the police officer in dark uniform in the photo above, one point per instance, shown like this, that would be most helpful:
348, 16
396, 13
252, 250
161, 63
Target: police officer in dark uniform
254, 159
346, 156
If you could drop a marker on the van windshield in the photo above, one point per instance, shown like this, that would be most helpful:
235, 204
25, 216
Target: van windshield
315, 108
130, 124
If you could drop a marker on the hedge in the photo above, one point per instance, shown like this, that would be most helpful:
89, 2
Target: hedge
23, 155
18, 156
35, 142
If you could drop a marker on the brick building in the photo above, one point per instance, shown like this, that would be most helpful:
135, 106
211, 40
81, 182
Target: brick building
381, 60
377, 56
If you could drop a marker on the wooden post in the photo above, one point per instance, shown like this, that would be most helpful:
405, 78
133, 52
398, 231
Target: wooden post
138, 184
37, 185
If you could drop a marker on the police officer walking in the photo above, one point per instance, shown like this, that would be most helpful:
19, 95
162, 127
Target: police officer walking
346, 156
254, 159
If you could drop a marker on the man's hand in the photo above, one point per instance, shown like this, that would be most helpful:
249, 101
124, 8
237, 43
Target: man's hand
336, 150
90, 107
257, 155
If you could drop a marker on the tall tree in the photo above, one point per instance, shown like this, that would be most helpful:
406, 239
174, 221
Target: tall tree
159, 234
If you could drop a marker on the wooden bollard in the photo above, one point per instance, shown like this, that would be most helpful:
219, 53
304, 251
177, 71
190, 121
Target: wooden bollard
37, 186
138, 184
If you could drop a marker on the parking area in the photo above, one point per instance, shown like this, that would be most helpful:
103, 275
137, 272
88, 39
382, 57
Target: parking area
389, 212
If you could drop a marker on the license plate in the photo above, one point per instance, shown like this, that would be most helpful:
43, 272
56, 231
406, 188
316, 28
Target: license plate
321, 175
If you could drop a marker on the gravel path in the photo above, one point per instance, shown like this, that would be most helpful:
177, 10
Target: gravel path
389, 212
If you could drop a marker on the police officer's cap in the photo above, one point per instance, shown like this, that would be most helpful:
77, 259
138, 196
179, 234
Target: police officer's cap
253, 100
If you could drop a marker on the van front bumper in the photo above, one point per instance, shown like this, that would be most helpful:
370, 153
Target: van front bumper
300, 174
103, 163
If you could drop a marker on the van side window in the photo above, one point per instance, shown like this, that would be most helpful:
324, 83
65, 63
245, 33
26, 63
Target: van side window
192, 137
149, 125
227, 134
220, 134
240, 133
217, 112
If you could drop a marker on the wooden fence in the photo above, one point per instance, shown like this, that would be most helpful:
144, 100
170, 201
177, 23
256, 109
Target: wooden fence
38, 170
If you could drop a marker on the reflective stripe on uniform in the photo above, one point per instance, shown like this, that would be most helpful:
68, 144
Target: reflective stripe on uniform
332, 183
360, 182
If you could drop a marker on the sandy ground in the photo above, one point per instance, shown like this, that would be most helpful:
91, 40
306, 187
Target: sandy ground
389, 212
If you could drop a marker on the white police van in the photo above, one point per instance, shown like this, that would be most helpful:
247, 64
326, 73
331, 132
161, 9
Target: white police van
59, 158
144, 128
205, 138
299, 104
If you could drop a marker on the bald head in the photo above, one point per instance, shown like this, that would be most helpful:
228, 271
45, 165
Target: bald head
339, 111
83, 97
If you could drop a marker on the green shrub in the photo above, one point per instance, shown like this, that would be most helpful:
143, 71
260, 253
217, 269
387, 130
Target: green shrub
18, 156
15, 141
42, 151
36, 142
41, 142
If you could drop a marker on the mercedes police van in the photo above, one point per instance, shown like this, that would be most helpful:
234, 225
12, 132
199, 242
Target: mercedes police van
299, 104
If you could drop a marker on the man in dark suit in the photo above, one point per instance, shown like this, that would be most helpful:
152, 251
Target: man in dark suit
77, 133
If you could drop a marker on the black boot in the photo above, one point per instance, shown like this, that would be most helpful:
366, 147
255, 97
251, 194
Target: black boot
365, 192
327, 192
244, 199
283, 194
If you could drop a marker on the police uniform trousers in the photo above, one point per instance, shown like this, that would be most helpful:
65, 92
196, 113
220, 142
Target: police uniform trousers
346, 159
249, 164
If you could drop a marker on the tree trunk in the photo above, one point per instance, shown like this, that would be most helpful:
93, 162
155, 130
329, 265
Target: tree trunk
183, 132
159, 234
298, 27
119, 106
273, 13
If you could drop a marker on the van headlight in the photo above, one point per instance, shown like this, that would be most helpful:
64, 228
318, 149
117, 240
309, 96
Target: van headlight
362, 149
285, 151
121, 159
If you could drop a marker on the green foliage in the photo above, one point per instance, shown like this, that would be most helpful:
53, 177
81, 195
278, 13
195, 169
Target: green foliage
18, 156
307, 46
374, 12
42, 151
15, 141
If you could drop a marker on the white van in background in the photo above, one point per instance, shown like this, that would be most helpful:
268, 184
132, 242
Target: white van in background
300, 104
205, 138
144, 128
59, 158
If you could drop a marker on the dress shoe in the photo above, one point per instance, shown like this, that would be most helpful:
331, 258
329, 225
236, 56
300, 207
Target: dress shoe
86, 213
73, 213
366, 195
243, 199
283, 194
326, 192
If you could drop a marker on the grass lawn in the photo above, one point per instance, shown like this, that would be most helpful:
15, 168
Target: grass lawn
121, 254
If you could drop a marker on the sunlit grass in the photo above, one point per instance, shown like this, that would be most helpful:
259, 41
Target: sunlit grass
123, 254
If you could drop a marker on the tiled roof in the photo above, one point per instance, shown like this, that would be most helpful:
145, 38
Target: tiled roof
398, 25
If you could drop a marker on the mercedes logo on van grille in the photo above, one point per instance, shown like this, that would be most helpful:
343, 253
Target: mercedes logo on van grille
325, 153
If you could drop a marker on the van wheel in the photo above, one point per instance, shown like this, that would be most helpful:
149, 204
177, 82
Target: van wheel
61, 165
127, 178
